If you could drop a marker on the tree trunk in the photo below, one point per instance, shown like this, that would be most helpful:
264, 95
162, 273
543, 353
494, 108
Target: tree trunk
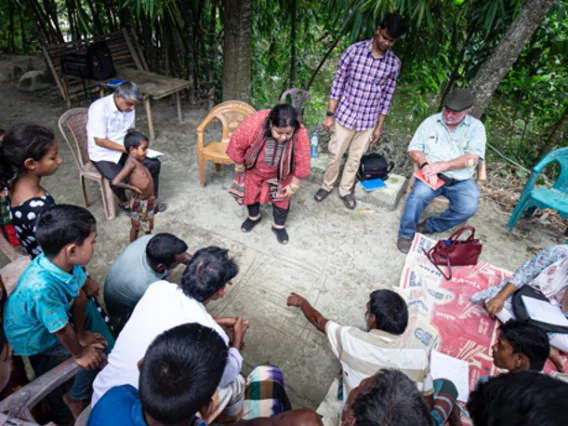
507, 52
293, 43
237, 50
556, 133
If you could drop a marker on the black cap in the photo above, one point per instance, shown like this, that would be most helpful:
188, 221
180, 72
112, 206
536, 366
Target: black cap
459, 100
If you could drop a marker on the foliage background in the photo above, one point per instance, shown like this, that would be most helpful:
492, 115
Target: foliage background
445, 44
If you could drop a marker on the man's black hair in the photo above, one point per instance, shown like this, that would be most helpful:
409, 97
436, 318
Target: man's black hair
63, 224
282, 115
209, 270
134, 140
390, 311
529, 340
395, 24
180, 372
21, 142
523, 398
392, 400
163, 248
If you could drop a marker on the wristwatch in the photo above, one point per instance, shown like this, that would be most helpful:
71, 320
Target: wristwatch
424, 164
330, 114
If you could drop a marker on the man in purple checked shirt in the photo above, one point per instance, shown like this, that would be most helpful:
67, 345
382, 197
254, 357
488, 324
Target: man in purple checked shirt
360, 99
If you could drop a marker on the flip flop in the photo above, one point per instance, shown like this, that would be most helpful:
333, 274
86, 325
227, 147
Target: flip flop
346, 200
322, 193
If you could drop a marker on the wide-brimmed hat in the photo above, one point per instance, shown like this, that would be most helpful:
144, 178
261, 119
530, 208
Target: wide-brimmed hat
459, 100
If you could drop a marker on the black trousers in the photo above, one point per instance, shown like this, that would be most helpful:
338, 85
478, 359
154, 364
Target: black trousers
109, 170
279, 214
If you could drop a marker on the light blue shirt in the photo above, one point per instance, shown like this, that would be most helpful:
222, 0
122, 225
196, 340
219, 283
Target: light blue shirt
437, 143
39, 306
129, 277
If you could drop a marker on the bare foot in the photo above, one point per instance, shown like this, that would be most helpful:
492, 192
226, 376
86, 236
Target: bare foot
557, 359
76, 407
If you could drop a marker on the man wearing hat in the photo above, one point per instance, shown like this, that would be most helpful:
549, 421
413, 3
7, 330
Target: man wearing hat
448, 146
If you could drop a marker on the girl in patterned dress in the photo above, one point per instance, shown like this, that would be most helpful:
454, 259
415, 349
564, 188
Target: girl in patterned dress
27, 153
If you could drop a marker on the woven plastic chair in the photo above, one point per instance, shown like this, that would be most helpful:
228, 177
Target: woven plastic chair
75, 122
231, 114
540, 197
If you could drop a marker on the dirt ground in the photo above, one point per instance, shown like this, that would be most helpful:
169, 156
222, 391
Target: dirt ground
335, 257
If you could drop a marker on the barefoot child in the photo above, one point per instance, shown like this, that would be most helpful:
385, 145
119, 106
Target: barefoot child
36, 314
143, 202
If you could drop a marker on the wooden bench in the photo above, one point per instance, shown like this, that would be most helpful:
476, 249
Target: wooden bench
129, 63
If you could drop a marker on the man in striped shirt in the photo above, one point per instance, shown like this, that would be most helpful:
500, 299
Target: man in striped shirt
360, 99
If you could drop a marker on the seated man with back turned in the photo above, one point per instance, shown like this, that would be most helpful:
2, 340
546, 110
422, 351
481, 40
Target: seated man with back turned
362, 353
110, 119
166, 305
448, 146
143, 262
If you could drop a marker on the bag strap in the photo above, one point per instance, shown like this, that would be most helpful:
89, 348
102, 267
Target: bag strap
454, 237
448, 263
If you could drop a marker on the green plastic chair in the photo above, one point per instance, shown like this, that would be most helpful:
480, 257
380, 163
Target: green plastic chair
555, 198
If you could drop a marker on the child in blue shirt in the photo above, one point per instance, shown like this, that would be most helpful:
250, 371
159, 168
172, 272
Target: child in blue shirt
36, 314
178, 378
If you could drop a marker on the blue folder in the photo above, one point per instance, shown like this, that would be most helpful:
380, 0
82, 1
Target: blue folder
114, 83
371, 185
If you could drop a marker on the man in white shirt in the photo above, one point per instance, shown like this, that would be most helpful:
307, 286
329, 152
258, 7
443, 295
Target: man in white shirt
110, 119
165, 305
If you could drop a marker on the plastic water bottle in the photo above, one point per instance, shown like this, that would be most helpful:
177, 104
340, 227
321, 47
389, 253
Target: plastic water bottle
314, 145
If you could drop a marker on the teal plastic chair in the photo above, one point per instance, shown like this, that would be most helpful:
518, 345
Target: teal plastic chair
555, 198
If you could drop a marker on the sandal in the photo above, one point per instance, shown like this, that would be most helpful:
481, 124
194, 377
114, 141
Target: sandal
249, 224
281, 235
347, 201
322, 194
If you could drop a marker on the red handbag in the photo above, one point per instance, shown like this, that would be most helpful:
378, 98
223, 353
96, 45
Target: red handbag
455, 252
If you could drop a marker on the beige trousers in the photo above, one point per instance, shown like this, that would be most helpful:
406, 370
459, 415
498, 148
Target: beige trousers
341, 139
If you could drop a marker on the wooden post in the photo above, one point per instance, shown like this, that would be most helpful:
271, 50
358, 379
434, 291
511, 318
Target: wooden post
178, 102
149, 116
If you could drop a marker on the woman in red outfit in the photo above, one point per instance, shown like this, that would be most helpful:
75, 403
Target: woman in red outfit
271, 151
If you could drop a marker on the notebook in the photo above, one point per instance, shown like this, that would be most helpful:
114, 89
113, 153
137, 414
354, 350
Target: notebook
371, 185
456, 370
437, 184
151, 153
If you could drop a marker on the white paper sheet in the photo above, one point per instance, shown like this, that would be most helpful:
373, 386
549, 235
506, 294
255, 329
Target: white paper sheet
542, 310
456, 370
152, 153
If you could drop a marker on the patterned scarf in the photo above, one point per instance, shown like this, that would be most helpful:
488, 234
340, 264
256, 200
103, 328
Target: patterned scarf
285, 161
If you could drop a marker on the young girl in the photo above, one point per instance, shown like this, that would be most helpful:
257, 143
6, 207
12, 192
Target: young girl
27, 153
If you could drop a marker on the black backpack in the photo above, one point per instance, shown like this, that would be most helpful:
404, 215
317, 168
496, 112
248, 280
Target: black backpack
374, 166
99, 61
74, 64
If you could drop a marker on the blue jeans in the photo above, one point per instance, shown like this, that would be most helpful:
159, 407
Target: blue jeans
464, 201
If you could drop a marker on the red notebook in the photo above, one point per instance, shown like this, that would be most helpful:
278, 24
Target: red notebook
437, 184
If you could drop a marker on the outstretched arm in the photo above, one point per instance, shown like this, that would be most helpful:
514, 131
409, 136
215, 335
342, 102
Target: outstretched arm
309, 312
